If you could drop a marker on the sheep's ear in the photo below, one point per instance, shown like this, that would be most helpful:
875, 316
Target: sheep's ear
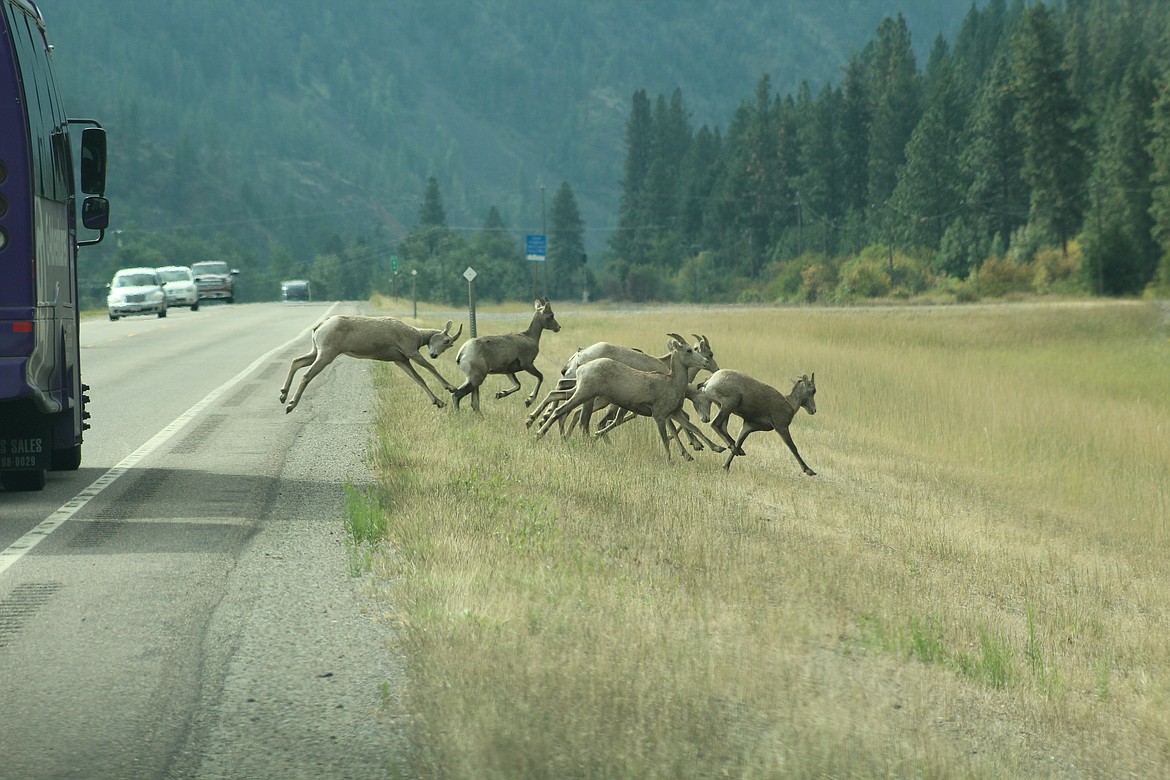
448, 328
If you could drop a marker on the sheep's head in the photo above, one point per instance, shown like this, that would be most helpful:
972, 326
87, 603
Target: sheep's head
442, 341
804, 393
689, 356
703, 347
701, 402
544, 314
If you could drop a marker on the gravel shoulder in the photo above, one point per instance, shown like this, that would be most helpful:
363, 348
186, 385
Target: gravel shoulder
300, 671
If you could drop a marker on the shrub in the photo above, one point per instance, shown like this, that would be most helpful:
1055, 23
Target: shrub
999, 276
863, 277
817, 282
1059, 272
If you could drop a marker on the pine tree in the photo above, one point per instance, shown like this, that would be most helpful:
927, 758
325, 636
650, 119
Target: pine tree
1122, 253
993, 158
929, 190
566, 251
896, 95
628, 242
1047, 116
819, 185
1159, 149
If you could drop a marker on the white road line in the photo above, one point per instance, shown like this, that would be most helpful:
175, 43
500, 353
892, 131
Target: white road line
21, 546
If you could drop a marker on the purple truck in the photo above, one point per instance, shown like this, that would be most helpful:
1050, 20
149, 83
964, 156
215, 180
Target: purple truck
42, 398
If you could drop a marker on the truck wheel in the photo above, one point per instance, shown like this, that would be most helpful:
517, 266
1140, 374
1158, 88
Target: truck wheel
67, 458
23, 481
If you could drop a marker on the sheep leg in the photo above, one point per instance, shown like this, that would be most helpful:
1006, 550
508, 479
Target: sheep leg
409, 369
297, 365
719, 425
787, 437
317, 367
422, 361
693, 433
736, 448
539, 381
554, 397
586, 414
508, 391
558, 414
670, 426
662, 434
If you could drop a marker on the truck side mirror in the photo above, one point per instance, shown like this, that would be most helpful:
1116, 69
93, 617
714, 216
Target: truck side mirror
93, 161
95, 213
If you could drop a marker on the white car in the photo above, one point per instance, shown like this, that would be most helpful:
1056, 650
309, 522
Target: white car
179, 285
136, 291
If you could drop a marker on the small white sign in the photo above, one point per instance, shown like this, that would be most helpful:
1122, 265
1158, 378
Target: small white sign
469, 274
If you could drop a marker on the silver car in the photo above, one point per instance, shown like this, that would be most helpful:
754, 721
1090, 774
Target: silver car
179, 285
136, 291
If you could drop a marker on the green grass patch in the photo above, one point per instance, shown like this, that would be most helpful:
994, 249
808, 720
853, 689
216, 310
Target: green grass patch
978, 577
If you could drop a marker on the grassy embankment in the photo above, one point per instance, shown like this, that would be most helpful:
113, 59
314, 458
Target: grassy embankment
976, 584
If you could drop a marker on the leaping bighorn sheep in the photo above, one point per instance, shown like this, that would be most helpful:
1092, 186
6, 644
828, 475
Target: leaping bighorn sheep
650, 393
505, 354
371, 338
760, 406
635, 358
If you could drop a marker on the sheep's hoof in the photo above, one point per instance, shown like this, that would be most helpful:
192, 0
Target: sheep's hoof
810, 472
717, 448
289, 408
283, 396
439, 403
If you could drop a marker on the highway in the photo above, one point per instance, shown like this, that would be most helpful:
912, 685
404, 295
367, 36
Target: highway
180, 606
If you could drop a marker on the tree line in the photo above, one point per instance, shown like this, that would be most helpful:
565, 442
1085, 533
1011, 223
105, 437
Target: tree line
1032, 155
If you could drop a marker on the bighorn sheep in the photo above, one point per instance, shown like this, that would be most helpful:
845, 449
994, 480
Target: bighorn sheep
635, 358
505, 354
371, 338
650, 393
760, 406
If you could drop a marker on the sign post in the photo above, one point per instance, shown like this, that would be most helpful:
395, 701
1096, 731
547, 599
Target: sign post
470, 275
536, 249
414, 289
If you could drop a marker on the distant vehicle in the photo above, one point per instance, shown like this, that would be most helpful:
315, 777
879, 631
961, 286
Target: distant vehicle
179, 285
136, 291
296, 290
42, 399
215, 280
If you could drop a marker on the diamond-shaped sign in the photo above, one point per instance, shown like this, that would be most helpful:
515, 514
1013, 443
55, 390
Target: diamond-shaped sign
469, 274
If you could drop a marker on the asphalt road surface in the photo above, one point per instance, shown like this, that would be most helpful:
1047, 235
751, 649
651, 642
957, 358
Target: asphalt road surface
181, 607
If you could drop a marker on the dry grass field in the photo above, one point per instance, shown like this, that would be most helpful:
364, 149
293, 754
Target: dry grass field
976, 584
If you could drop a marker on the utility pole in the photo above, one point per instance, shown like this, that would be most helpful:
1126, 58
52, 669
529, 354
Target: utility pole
543, 232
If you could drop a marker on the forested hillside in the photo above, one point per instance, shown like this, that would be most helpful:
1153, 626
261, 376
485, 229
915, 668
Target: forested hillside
281, 132
1030, 155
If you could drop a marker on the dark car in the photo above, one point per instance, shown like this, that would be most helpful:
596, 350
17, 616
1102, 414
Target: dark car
296, 290
215, 280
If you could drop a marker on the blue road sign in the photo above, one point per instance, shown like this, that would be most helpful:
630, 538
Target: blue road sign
537, 247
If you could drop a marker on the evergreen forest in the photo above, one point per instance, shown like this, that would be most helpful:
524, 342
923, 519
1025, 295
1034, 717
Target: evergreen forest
670, 151
1031, 155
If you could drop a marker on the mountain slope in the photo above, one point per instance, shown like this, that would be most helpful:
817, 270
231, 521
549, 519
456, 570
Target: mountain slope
286, 123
